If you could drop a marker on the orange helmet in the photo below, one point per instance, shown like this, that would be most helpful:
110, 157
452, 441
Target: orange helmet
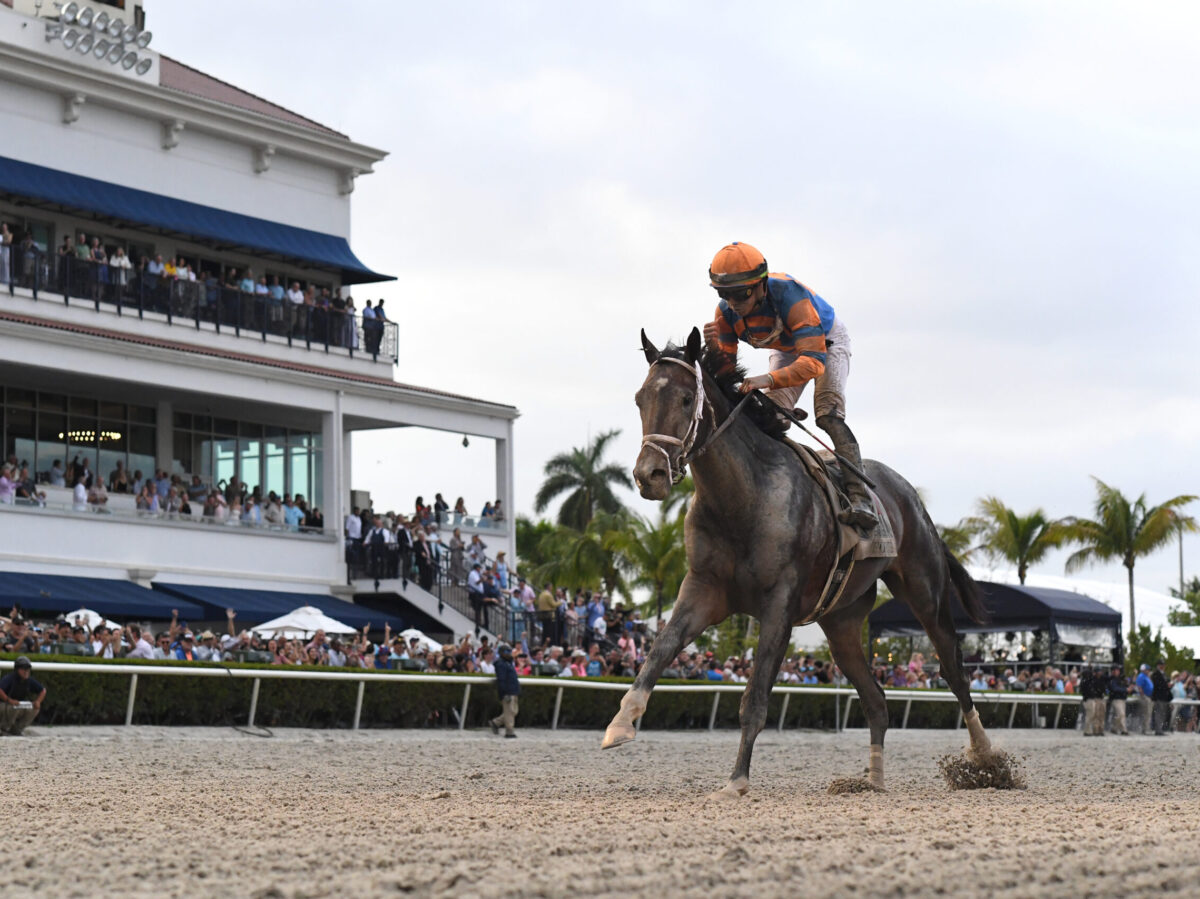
737, 265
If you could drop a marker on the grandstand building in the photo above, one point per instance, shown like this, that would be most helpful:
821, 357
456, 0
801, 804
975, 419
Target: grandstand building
188, 358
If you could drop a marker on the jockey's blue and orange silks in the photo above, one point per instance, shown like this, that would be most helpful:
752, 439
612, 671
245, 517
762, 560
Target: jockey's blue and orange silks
790, 318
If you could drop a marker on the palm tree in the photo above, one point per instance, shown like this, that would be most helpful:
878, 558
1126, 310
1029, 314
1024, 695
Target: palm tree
654, 555
1023, 540
958, 539
1125, 531
582, 472
584, 557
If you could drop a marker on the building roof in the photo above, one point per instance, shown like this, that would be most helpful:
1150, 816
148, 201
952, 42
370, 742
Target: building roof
176, 76
141, 340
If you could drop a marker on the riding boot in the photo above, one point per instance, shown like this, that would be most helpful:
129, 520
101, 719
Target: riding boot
861, 513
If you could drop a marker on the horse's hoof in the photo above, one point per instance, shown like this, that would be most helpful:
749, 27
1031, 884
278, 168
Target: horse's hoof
732, 791
618, 734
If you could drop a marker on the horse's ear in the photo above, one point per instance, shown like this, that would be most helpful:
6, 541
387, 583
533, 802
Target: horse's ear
649, 349
694, 346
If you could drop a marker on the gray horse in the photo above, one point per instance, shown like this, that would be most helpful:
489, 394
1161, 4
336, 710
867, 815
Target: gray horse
761, 541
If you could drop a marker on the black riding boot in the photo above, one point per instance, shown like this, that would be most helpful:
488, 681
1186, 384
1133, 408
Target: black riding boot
861, 513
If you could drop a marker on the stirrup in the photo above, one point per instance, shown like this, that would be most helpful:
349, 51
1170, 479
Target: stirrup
859, 517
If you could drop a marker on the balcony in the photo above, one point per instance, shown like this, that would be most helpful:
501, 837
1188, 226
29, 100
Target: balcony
201, 306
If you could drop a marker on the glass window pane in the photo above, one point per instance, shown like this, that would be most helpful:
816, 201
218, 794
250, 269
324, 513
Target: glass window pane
181, 449
16, 397
19, 436
183, 419
202, 463
273, 474
202, 423
52, 402
114, 411
143, 415
114, 442
81, 443
51, 441
298, 472
224, 460
318, 494
246, 429
225, 426
248, 453
82, 406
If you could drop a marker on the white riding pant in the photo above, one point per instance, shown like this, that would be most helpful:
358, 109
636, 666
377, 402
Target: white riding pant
830, 391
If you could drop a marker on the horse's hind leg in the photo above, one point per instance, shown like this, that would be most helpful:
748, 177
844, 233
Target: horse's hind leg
699, 606
772, 646
938, 621
843, 628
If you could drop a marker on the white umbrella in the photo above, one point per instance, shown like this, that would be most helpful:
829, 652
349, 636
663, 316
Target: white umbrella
91, 620
302, 622
425, 642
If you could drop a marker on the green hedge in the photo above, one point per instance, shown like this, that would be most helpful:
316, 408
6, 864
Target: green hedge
91, 698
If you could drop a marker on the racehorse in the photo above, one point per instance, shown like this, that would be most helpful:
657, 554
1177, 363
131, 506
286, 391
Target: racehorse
761, 540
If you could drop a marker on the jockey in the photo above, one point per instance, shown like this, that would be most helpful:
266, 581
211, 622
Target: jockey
807, 342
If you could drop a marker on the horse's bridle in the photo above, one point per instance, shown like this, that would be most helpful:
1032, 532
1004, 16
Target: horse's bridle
688, 452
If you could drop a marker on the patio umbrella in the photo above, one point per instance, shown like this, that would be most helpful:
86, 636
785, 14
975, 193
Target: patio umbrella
302, 622
424, 642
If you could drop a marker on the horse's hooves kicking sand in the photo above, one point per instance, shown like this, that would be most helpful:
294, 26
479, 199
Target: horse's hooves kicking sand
732, 791
994, 769
844, 785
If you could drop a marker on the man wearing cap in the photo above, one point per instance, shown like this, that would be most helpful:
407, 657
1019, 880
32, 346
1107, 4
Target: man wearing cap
807, 342
1144, 690
185, 649
207, 650
21, 698
1118, 689
509, 689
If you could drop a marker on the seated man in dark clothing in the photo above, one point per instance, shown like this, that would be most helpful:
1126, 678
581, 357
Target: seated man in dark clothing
21, 698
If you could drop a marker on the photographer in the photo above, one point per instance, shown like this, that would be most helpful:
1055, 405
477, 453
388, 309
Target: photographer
21, 698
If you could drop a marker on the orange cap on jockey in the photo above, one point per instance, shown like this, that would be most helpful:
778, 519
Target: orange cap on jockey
737, 265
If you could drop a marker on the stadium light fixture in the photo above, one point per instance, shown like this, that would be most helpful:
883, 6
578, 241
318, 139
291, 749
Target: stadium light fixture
85, 17
128, 35
70, 39
143, 40
69, 13
85, 44
115, 54
129, 60
115, 29
100, 23
101, 49
144, 66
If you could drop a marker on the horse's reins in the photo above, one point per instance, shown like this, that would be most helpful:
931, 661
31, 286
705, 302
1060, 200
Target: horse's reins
688, 452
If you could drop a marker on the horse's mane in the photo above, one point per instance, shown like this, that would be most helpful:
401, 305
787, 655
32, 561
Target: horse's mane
716, 366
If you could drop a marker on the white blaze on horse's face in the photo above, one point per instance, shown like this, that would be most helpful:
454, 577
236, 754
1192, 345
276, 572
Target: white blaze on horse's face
666, 401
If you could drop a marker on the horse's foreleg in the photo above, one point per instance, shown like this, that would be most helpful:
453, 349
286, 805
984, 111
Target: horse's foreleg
775, 631
699, 606
844, 631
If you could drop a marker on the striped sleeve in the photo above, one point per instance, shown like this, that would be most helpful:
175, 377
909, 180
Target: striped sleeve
727, 340
808, 343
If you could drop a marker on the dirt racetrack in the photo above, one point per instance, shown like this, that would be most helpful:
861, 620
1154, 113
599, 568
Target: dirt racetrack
195, 812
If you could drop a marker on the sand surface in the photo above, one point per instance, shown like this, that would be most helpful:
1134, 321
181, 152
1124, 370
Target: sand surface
196, 812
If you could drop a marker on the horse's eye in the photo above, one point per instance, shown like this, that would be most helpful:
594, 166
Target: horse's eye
687, 400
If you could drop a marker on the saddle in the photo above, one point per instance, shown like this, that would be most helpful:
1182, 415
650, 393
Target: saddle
853, 546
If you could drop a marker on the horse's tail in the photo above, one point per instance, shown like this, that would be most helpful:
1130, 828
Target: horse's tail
968, 591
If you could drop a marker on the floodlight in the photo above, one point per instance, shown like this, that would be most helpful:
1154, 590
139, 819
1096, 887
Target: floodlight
85, 44
143, 39
115, 27
69, 13
85, 17
70, 39
128, 34
127, 62
144, 66
115, 54
100, 23
101, 49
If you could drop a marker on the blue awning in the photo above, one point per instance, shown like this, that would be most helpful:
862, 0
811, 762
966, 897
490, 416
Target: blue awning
255, 606
140, 207
111, 598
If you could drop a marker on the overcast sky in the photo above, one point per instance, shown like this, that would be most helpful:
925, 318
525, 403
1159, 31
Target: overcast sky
999, 199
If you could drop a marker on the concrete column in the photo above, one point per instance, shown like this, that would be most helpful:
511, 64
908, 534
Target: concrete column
504, 488
333, 497
347, 470
164, 436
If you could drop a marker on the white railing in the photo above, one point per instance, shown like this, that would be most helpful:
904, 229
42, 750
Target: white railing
841, 716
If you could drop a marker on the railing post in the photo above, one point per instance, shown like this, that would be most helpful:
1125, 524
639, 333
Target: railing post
846, 716
237, 322
1012, 714
129, 705
712, 716
462, 717
557, 706
907, 709
201, 298
171, 285
308, 326
358, 703
142, 293
253, 701
783, 713
96, 284
263, 313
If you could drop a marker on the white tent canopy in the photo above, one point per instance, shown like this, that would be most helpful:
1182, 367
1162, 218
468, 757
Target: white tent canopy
302, 622
91, 620
426, 643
